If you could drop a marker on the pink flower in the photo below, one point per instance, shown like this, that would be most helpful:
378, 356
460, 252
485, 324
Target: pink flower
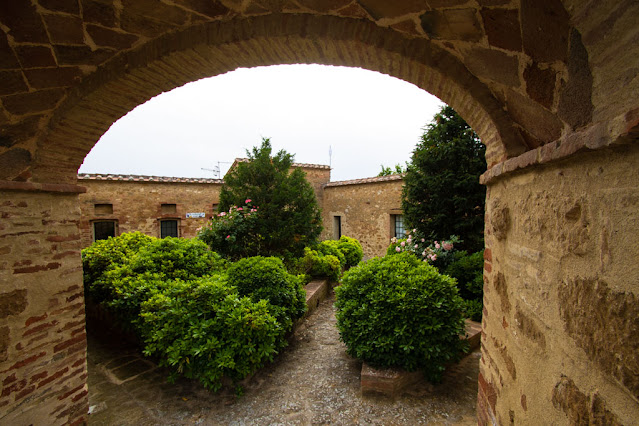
416, 245
437, 245
423, 240
253, 210
398, 249
414, 231
403, 243
433, 257
222, 214
447, 246
240, 209
248, 200
228, 237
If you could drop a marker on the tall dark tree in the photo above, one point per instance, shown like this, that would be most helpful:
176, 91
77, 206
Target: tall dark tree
442, 195
288, 214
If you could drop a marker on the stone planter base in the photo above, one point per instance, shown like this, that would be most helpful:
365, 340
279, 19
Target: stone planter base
392, 382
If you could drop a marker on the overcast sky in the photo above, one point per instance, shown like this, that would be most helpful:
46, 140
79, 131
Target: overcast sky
365, 118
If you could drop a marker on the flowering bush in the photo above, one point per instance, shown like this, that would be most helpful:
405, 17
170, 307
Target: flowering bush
233, 233
437, 253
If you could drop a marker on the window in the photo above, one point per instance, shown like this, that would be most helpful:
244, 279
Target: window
337, 227
169, 208
169, 228
103, 230
397, 226
103, 209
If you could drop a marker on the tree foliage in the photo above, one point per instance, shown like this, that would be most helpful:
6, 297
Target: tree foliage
289, 217
442, 195
387, 171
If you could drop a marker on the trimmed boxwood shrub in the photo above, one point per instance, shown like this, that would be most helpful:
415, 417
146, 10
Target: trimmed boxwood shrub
318, 265
332, 247
266, 278
352, 250
398, 311
204, 330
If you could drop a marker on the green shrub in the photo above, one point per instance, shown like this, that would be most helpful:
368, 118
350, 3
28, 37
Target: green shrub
125, 293
104, 255
266, 278
473, 309
318, 265
398, 311
204, 330
352, 250
468, 270
124, 287
332, 247
177, 258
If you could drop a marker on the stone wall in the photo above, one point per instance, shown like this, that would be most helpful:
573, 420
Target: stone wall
540, 81
365, 206
561, 317
137, 203
42, 336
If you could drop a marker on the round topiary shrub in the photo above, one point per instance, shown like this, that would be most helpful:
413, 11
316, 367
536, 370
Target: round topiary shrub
267, 278
352, 250
398, 311
332, 247
316, 264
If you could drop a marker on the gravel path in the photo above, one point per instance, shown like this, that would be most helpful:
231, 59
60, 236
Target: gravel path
313, 381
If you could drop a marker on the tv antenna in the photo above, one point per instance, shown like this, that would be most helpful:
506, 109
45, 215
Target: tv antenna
216, 169
330, 156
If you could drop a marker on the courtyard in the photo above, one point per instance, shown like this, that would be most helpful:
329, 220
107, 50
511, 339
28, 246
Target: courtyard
313, 381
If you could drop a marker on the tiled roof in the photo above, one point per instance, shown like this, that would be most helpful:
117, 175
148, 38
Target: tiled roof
301, 165
138, 178
376, 179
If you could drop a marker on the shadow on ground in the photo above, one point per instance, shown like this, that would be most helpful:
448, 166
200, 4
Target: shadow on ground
313, 381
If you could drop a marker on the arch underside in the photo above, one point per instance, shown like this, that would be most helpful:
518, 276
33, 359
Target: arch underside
199, 52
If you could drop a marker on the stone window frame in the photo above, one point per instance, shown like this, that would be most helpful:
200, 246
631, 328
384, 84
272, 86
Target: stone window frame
116, 227
337, 219
169, 219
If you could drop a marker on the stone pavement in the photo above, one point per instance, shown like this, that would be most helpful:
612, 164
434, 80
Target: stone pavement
313, 381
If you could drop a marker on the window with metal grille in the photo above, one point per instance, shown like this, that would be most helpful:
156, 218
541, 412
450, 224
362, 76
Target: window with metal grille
168, 228
397, 223
103, 230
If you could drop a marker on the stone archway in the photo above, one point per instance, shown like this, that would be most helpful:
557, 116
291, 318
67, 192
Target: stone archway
548, 85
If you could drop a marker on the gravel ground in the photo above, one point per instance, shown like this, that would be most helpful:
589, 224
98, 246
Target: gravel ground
312, 381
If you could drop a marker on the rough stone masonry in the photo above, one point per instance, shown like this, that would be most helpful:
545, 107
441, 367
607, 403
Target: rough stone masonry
551, 87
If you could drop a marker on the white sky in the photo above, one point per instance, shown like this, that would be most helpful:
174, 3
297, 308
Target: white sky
366, 117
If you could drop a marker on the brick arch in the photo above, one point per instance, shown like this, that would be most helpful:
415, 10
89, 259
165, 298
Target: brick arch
214, 48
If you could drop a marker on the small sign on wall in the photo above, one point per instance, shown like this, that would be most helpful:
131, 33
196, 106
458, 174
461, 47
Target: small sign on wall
195, 215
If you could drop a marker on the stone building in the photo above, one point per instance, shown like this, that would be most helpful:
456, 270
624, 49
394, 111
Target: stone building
550, 86
163, 206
